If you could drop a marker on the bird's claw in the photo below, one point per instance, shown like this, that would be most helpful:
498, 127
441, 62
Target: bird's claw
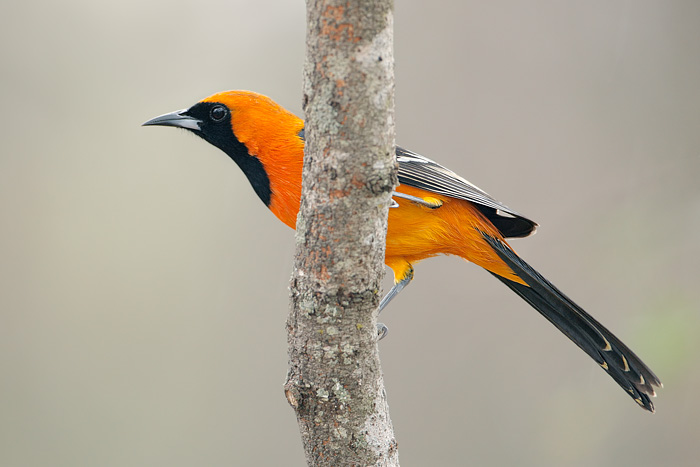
382, 331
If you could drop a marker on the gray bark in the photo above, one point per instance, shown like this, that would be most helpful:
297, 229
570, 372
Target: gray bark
335, 380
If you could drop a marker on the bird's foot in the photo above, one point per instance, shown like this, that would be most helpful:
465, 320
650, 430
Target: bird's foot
382, 331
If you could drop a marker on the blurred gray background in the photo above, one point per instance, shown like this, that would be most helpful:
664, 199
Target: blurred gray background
143, 286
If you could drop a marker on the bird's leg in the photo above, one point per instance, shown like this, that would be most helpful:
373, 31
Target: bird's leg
407, 270
429, 202
398, 287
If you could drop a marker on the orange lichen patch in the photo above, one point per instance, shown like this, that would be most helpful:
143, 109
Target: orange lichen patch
336, 12
357, 181
337, 194
323, 273
333, 28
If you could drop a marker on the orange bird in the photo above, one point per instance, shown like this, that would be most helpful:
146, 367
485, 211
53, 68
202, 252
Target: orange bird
434, 211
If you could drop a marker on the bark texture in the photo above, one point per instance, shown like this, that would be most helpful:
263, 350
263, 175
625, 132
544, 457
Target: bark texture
335, 381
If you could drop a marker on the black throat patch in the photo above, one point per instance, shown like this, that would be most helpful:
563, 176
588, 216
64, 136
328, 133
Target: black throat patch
220, 134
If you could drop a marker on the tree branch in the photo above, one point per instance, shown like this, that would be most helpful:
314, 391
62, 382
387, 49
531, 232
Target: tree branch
335, 381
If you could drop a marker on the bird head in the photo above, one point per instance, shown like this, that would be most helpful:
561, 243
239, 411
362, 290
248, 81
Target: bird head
259, 135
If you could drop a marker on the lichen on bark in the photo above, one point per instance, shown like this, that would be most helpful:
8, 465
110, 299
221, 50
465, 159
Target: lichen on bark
335, 381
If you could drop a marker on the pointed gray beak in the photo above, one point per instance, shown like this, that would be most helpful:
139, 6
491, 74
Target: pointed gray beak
177, 119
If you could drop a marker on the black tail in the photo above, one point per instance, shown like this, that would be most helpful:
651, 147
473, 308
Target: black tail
591, 336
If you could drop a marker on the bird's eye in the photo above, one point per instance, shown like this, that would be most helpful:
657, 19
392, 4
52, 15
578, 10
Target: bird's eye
218, 113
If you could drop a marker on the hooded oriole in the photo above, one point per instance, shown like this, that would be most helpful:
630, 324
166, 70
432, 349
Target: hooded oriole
435, 211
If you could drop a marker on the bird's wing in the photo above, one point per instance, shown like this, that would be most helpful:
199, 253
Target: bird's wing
420, 172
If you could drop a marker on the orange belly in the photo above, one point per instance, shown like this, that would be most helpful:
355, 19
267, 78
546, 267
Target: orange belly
417, 232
